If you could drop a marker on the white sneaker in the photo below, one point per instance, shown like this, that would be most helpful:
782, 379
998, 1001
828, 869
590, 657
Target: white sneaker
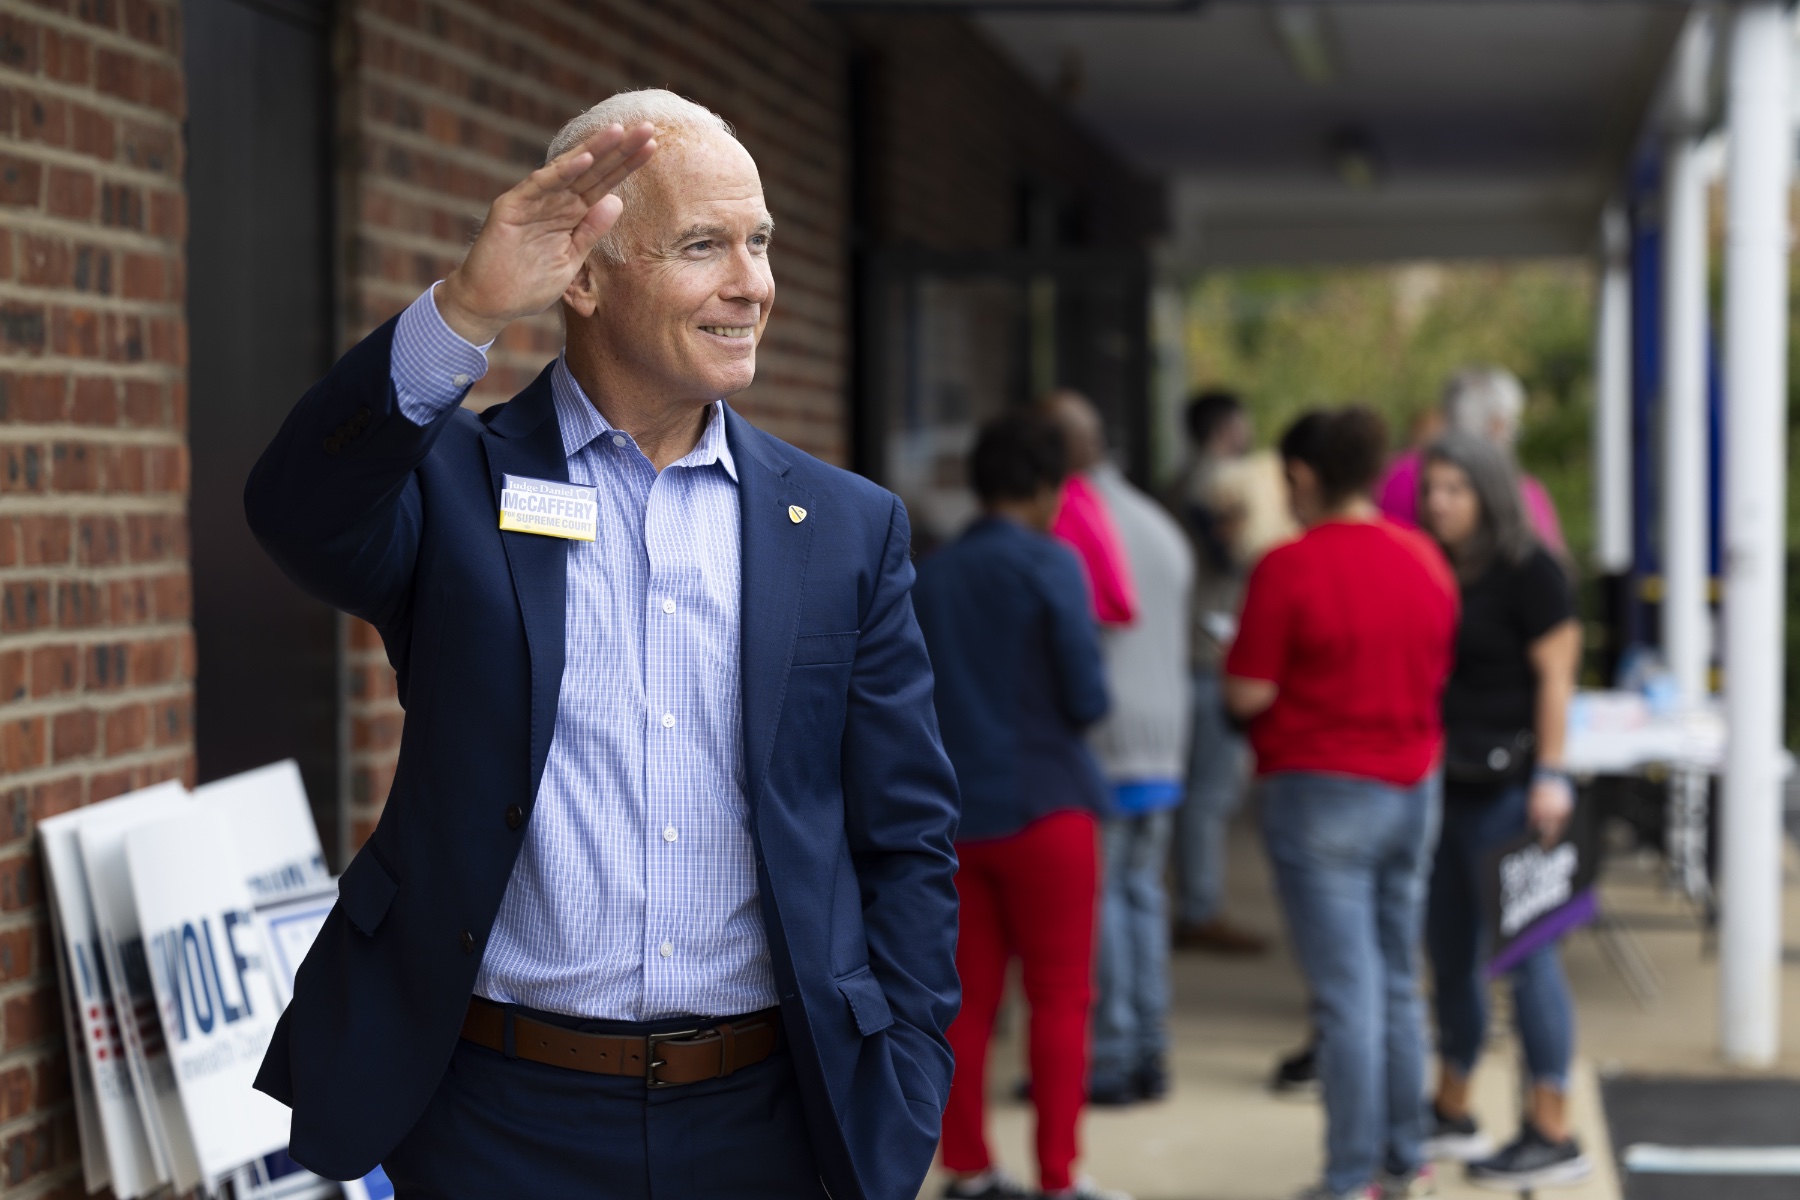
1084, 1189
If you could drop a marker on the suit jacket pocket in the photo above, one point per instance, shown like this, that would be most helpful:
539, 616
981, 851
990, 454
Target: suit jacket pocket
366, 891
868, 1003
822, 649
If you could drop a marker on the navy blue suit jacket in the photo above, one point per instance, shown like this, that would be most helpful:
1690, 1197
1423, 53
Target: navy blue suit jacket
852, 801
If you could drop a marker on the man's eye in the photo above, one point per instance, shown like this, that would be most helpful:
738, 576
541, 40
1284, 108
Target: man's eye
761, 240
701, 246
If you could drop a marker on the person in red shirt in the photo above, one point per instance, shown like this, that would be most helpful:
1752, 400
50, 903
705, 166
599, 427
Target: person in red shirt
1338, 669
1082, 520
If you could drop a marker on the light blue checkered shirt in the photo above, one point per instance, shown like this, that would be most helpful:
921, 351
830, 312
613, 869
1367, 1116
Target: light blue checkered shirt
634, 896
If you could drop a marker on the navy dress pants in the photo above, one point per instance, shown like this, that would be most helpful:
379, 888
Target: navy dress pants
500, 1128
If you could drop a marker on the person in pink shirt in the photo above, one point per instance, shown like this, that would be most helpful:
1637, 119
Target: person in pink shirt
1083, 521
1489, 403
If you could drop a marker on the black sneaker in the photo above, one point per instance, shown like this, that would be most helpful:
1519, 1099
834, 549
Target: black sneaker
1532, 1160
992, 1184
1153, 1080
1297, 1075
1112, 1091
1084, 1189
1455, 1139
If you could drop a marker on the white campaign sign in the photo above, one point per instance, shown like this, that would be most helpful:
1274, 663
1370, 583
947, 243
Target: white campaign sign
272, 831
210, 969
121, 1144
101, 834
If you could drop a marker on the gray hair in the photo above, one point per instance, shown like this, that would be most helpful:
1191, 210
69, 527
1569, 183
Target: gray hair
1502, 532
674, 117
1479, 400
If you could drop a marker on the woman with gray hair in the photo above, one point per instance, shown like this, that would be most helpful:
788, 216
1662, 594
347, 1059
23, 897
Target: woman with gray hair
1505, 713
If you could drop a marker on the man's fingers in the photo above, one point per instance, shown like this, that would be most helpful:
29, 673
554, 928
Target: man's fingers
600, 218
571, 164
604, 183
608, 169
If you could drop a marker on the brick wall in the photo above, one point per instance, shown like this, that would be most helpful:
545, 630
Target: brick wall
449, 102
96, 652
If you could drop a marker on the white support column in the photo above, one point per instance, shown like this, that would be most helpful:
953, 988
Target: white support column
1684, 435
1612, 397
1756, 308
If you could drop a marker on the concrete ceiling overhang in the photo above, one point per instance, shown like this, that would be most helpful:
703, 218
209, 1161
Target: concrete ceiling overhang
1357, 130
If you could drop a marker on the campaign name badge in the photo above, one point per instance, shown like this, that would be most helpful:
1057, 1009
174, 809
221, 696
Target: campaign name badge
542, 506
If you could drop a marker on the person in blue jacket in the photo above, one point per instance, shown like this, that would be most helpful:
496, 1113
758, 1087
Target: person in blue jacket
662, 901
1006, 613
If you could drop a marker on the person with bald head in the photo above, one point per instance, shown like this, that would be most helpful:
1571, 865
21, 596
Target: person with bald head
661, 902
1083, 520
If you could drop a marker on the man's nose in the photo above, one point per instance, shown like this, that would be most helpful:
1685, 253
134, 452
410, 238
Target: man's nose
750, 280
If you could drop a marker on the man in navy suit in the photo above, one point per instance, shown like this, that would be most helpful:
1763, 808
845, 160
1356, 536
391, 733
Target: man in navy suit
661, 903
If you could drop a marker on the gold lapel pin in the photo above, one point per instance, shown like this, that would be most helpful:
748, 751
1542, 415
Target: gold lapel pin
796, 514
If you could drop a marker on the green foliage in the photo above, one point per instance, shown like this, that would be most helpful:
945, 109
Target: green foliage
1389, 337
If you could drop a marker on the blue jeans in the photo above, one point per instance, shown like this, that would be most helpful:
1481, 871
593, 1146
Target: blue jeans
1215, 789
1131, 1017
1350, 859
1456, 933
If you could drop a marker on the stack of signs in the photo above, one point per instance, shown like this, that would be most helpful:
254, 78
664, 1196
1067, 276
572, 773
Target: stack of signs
1534, 894
171, 988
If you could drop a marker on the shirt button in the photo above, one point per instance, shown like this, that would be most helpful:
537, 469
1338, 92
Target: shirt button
669, 833
666, 949
515, 816
460, 380
468, 942
668, 606
618, 439
668, 720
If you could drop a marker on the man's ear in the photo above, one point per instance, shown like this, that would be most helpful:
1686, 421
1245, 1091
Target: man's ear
583, 292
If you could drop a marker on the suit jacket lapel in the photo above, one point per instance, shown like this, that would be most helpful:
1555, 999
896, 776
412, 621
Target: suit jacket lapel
774, 557
525, 439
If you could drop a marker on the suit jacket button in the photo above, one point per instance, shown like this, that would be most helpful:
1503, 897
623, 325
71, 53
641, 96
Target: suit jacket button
468, 942
515, 816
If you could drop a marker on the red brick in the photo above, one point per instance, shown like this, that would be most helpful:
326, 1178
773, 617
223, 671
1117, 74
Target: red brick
22, 328
32, 397
168, 215
79, 605
6, 254
19, 886
12, 676
15, 954
21, 180
96, 401
66, 57
117, 73
29, 1018
172, 721
54, 670
71, 193
107, 784
145, 277
172, 598
147, 22
15, 1093
75, 467
18, 44
127, 729
45, 540
121, 206
21, 744
74, 735
42, 119
24, 606
144, 403
22, 468
9, 543
54, 1084
151, 147
45, 261
92, 132
104, 13
108, 666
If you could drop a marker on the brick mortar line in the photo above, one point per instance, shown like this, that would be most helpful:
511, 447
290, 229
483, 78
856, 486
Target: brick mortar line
133, 758
15, 432
418, 243
75, 573
25, 220
70, 297
443, 202
44, 1116
83, 504
447, 51
62, 156
572, 60
118, 701
97, 34
92, 635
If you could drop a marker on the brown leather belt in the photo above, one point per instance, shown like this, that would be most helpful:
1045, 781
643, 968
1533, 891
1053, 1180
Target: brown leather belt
660, 1059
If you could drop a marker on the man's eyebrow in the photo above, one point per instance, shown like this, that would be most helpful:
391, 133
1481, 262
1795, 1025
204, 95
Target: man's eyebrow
715, 232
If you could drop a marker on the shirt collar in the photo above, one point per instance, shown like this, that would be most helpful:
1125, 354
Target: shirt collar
582, 423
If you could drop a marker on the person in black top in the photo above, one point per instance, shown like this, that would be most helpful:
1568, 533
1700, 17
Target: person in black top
1505, 716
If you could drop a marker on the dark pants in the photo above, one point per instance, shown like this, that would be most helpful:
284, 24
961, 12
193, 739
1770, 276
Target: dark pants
499, 1128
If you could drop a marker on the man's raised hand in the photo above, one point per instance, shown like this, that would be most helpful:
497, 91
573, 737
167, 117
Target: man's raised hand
539, 233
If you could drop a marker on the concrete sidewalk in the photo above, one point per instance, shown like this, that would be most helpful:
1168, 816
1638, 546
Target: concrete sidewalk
1222, 1136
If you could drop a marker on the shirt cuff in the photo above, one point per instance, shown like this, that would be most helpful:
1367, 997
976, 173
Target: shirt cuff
432, 366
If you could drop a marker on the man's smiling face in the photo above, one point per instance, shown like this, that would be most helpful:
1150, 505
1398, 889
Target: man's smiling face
682, 314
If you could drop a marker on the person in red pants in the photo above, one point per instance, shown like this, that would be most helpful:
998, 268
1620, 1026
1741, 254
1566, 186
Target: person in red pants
1015, 648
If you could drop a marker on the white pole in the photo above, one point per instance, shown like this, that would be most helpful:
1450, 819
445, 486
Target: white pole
1756, 307
1612, 398
1684, 441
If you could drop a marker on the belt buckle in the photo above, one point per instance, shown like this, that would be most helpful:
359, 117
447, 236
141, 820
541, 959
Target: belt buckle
651, 1042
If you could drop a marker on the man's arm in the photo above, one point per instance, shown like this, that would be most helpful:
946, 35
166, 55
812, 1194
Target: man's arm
333, 499
901, 809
